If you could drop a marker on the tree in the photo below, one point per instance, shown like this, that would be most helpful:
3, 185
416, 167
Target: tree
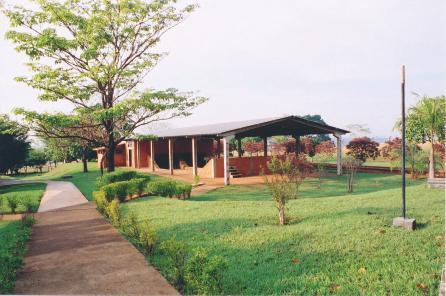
326, 147
351, 165
95, 55
37, 159
363, 148
14, 145
317, 139
288, 173
426, 122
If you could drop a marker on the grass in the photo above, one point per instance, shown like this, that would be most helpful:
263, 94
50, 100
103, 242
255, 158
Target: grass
13, 235
335, 243
21, 192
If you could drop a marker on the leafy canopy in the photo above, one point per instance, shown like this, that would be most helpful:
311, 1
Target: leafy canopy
94, 54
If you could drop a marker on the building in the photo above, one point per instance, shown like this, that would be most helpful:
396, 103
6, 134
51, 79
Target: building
204, 150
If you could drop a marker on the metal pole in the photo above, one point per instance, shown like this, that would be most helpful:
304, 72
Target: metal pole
403, 137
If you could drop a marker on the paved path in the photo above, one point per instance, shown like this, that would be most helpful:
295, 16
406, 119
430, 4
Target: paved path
73, 250
60, 194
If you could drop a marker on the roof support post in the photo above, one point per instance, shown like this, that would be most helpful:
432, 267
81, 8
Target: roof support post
338, 154
194, 157
227, 174
265, 146
138, 149
152, 156
298, 148
239, 147
171, 156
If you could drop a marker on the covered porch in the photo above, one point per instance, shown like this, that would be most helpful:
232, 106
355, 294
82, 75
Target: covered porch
204, 151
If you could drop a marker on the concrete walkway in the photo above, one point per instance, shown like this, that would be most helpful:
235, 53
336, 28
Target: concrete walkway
73, 250
60, 194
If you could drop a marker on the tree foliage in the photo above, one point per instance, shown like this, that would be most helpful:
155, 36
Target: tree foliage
288, 173
363, 148
14, 145
94, 54
316, 139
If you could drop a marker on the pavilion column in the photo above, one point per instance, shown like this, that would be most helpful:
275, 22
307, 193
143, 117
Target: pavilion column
171, 156
226, 160
138, 144
239, 147
298, 148
265, 146
194, 157
152, 156
338, 154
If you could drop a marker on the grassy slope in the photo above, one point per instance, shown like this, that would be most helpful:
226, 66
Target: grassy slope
331, 237
33, 192
83, 181
12, 245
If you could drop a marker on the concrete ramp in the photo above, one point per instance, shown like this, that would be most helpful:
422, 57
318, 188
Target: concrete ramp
60, 194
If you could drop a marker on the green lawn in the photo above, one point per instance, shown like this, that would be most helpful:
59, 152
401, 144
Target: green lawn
21, 192
12, 249
84, 181
336, 243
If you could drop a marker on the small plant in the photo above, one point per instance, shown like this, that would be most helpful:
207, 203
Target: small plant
196, 180
28, 221
113, 212
147, 237
101, 201
13, 203
130, 226
28, 204
118, 190
287, 175
176, 251
204, 274
351, 165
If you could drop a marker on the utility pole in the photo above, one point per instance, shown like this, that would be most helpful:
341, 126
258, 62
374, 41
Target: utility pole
403, 221
403, 138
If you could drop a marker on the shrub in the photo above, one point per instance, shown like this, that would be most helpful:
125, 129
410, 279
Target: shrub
8, 266
28, 204
114, 177
147, 237
113, 212
176, 251
163, 188
183, 191
363, 148
28, 221
137, 186
13, 203
101, 201
115, 190
351, 164
287, 176
204, 274
130, 226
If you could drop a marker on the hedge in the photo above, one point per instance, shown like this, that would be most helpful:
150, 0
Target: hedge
119, 176
123, 189
170, 189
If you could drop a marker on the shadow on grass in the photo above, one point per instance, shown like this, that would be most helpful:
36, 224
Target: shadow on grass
332, 186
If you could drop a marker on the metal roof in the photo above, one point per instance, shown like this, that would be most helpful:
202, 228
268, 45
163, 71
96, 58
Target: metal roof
241, 127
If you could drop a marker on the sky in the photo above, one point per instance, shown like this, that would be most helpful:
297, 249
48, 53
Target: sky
254, 58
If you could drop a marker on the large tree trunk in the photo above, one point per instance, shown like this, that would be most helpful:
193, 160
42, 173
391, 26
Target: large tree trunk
281, 214
431, 162
84, 159
111, 153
